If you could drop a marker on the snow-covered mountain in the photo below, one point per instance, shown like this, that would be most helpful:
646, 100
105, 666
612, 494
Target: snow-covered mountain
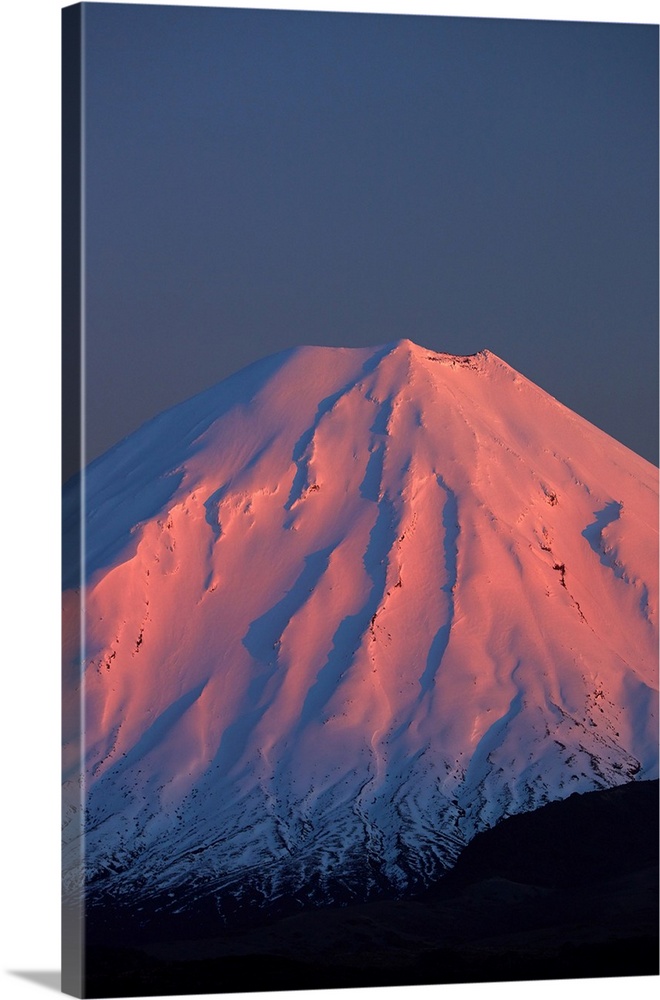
344, 610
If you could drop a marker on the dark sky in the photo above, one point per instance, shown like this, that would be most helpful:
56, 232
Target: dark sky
259, 179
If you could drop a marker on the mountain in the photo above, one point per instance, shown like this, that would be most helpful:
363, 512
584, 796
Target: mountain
342, 612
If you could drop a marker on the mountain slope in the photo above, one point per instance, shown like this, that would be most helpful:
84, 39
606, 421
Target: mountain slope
345, 610
569, 890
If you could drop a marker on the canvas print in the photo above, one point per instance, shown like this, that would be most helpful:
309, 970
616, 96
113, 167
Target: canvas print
360, 509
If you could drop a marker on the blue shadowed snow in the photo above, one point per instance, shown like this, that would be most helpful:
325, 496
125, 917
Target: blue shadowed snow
594, 532
351, 630
264, 633
450, 548
373, 475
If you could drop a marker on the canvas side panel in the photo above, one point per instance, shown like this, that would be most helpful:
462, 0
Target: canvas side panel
72, 788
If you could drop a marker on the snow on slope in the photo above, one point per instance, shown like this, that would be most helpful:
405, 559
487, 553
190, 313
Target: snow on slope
344, 610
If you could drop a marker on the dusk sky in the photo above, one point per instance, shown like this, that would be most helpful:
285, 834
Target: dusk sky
261, 179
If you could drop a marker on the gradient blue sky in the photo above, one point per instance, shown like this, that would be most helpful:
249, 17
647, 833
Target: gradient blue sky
259, 179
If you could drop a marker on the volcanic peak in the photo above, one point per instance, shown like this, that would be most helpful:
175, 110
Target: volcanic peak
345, 610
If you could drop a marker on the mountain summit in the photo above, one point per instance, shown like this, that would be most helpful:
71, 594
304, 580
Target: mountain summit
343, 611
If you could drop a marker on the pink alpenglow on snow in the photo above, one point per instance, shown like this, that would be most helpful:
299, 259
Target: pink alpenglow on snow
346, 609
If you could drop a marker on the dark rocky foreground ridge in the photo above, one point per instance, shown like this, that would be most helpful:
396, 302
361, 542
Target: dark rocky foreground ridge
567, 891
